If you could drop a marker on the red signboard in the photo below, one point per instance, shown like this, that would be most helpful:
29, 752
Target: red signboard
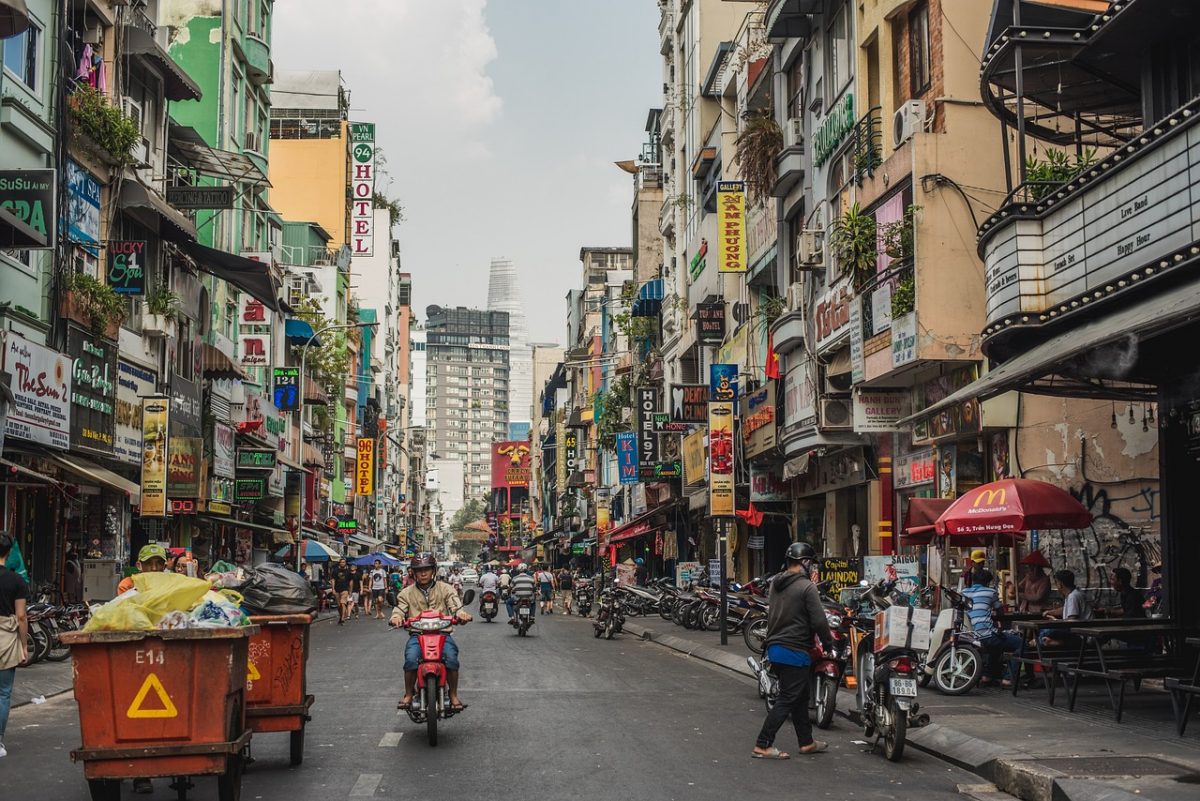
510, 464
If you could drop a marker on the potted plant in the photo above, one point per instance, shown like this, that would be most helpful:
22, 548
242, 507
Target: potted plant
853, 241
758, 145
158, 313
904, 296
101, 128
89, 301
898, 236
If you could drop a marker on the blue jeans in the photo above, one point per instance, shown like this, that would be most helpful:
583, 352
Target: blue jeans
995, 647
6, 685
412, 654
510, 605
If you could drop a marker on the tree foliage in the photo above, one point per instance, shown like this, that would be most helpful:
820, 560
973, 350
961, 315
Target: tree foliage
328, 363
468, 514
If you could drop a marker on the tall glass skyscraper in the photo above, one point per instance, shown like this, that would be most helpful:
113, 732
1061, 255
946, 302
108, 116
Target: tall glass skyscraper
504, 294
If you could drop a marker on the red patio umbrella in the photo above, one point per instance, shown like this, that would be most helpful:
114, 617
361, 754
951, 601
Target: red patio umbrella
919, 519
1009, 506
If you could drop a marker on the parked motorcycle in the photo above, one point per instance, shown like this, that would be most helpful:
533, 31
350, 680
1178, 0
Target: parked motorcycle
523, 619
828, 668
584, 597
609, 616
431, 702
954, 661
489, 605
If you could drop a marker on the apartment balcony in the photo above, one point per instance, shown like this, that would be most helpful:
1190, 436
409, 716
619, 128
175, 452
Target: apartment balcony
666, 30
1055, 250
259, 68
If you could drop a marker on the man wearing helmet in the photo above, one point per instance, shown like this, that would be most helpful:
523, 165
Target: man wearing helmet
795, 615
523, 586
426, 593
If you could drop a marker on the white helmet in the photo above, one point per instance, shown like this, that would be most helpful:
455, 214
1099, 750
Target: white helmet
522, 568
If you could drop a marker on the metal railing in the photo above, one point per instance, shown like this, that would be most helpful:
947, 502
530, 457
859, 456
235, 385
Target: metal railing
899, 284
868, 145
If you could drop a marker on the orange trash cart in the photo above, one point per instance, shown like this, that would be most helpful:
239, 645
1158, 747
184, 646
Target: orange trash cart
276, 678
161, 704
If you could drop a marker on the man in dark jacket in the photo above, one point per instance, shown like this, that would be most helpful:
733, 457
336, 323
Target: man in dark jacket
795, 616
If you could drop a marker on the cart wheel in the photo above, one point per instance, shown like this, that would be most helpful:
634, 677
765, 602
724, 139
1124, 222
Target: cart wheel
229, 784
104, 789
297, 746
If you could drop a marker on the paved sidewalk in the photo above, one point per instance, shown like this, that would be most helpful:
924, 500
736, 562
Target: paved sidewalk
1026, 747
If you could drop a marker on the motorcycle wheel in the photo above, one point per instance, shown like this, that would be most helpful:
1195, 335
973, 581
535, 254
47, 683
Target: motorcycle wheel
710, 618
863, 672
666, 609
826, 702
59, 651
677, 613
754, 633
893, 739
596, 630
692, 617
957, 670
431, 708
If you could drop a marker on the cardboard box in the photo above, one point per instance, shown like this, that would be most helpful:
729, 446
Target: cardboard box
902, 627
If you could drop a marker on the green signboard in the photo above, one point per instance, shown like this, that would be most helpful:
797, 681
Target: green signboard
249, 489
257, 458
833, 129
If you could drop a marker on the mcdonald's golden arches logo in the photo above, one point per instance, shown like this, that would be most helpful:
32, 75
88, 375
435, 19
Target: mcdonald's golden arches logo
992, 495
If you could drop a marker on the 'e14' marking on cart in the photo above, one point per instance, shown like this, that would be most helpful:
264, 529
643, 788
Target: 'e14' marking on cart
136, 710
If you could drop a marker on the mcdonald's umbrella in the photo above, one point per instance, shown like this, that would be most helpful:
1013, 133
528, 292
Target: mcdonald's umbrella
1012, 505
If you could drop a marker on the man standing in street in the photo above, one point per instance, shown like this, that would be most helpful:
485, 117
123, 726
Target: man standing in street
378, 588
14, 631
565, 585
342, 581
795, 616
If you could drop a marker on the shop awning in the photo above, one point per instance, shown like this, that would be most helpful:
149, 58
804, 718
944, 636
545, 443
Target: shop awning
797, 466
14, 18
649, 299
212, 162
299, 332
359, 538
920, 517
639, 526
21, 470
252, 277
177, 84
218, 365
16, 234
278, 535
1077, 362
96, 474
173, 224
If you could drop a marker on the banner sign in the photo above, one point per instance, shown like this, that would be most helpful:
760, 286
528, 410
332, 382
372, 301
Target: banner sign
843, 573
183, 467
710, 322
224, 463
879, 412
661, 470
758, 420
200, 197
768, 486
647, 405
126, 265
287, 388
723, 382
731, 217
914, 468
720, 454
560, 456
249, 489
693, 458
29, 195
41, 386
254, 339
627, 456
83, 206
133, 384
362, 186
364, 473
93, 390
663, 424
689, 403
510, 464
155, 416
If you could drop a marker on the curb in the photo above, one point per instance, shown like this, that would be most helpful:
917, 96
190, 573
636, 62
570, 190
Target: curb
1015, 773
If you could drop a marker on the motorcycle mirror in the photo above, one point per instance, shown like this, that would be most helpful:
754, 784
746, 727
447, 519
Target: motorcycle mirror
468, 596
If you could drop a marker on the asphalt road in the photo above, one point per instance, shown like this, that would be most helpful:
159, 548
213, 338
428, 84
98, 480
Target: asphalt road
557, 715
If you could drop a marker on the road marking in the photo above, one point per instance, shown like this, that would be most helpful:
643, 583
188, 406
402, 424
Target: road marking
391, 739
366, 785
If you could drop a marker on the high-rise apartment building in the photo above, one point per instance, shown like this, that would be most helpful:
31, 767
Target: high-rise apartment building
467, 395
504, 295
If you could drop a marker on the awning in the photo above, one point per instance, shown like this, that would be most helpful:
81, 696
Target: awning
787, 19
252, 277
94, 473
177, 85
173, 225
13, 232
218, 365
278, 535
920, 517
1075, 363
211, 162
14, 18
299, 332
639, 526
25, 471
649, 299
362, 539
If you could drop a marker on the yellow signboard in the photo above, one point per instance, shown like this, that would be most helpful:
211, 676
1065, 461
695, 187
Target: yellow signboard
560, 462
364, 473
693, 458
720, 459
155, 415
731, 226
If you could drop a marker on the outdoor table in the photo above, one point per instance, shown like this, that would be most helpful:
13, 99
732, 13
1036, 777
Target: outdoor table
1181, 693
1029, 628
1091, 642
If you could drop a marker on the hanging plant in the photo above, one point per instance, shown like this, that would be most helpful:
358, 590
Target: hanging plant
103, 307
758, 145
853, 242
1045, 176
163, 301
897, 237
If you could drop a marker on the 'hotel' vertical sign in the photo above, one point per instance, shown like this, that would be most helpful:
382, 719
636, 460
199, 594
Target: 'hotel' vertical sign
362, 184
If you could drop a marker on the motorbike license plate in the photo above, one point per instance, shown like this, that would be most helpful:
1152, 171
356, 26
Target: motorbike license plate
904, 688
525, 613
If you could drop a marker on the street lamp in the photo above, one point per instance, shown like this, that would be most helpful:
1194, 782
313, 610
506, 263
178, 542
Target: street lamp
300, 411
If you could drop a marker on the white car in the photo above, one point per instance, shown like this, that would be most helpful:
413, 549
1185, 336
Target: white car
469, 575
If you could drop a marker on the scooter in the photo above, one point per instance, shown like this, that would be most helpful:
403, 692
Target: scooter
610, 618
583, 597
828, 668
954, 662
524, 616
431, 702
489, 606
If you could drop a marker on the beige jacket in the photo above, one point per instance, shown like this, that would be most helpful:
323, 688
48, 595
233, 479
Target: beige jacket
412, 602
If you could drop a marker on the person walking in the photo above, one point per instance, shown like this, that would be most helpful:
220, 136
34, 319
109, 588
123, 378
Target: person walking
14, 631
795, 616
341, 581
545, 580
566, 584
378, 588
364, 592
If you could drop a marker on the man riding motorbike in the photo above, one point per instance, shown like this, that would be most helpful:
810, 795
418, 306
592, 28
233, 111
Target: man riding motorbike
424, 594
523, 587
489, 581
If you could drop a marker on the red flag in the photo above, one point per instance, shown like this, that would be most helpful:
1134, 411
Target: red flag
772, 368
752, 516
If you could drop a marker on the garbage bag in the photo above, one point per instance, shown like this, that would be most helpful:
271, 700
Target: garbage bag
274, 590
119, 614
153, 597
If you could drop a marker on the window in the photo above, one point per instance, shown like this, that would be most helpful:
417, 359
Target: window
918, 49
795, 89
838, 54
20, 56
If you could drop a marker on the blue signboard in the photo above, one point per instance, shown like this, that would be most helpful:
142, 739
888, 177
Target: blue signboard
627, 456
723, 382
83, 206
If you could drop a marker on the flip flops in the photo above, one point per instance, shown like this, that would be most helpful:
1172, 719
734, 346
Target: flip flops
815, 747
770, 753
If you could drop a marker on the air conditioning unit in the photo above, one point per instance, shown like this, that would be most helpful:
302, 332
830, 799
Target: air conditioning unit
141, 152
812, 248
838, 383
795, 297
251, 142
793, 132
133, 110
907, 120
835, 413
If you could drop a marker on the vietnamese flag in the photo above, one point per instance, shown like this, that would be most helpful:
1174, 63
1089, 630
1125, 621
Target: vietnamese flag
772, 368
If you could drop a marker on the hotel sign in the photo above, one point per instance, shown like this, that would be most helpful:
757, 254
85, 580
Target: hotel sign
362, 187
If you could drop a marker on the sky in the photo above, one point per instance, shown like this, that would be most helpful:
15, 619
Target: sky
500, 121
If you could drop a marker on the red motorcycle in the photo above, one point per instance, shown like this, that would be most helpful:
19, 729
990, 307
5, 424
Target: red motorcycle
431, 702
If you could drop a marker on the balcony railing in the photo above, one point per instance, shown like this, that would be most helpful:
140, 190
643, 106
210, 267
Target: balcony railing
868, 145
888, 295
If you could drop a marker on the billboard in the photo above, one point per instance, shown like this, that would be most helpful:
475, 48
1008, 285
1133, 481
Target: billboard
510, 464
720, 458
156, 413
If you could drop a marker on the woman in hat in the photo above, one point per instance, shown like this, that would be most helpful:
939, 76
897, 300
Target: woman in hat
1035, 583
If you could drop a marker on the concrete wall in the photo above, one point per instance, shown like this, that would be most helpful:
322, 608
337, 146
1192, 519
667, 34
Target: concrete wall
309, 182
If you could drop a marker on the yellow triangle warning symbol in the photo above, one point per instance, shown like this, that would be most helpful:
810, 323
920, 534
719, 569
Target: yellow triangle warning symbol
252, 672
167, 710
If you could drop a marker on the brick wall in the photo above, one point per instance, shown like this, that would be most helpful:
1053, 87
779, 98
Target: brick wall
937, 80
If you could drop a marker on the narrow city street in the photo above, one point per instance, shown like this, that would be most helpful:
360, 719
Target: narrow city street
557, 715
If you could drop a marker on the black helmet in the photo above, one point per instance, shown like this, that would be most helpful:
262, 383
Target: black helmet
799, 551
423, 560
